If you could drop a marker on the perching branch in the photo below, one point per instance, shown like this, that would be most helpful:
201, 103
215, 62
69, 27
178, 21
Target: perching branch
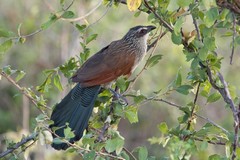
32, 137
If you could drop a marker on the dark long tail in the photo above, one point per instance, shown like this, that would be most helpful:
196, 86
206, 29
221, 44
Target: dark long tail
76, 109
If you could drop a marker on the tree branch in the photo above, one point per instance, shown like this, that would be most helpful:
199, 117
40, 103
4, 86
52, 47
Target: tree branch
24, 92
19, 144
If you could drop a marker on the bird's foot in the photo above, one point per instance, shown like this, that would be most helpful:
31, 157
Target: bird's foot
119, 97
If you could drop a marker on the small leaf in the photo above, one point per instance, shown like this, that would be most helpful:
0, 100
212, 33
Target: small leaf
81, 28
47, 24
211, 16
122, 84
178, 25
20, 75
142, 153
67, 14
115, 144
7, 69
133, 5
5, 33
153, 60
203, 53
176, 38
178, 80
131, 114
68, 133
57, 82
213, 97
90, 155
184, 89
163, 127
5, 46
91, 38
184, 3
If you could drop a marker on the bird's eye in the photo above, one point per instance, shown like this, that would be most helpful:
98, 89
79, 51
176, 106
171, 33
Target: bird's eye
143, 31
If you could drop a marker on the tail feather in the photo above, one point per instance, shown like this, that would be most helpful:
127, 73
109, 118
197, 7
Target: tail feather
75, 109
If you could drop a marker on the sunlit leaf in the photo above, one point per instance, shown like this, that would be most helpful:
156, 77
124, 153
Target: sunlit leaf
67, 14
5, 46
211, 16
47, 24
91, 38
213, 97
153, 60
68, 133
57, 82
133, 5
163, 127
20, 75
131, 114
184, 3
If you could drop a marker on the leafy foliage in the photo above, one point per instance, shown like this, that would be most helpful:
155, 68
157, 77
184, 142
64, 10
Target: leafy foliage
203, 84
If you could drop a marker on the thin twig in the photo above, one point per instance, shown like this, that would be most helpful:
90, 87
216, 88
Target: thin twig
19, 144
233, 38
212, 122
202, 117
86, 15
211, 142
129, 153
164, 23
84, 149
24, 92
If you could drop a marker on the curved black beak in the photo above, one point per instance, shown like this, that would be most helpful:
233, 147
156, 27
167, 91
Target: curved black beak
150, 28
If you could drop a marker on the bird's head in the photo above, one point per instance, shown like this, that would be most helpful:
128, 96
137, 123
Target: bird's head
138, 32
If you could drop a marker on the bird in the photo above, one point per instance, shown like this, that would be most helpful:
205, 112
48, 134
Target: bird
119, 58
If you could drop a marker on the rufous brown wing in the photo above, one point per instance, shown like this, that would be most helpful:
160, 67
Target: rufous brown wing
106, 65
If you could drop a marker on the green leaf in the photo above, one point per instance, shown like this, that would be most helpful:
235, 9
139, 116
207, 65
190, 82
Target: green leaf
122, 84
81, 28
131, 114
163, 128
184, 3
203, 53
184, 89
67, 14
47, 24
20, 75
153, 60
90, 155
176, 38
7, 69
5, 46
5, 33
178, 25
142, 153
211, 16
209, 43
57, 82
213, 97
68, 133
91, 38
178, 80
215, 157
115, 144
